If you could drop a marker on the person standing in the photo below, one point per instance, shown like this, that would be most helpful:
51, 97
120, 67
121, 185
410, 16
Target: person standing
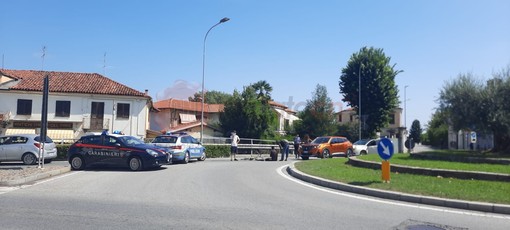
233, 145
297, 141
285, 147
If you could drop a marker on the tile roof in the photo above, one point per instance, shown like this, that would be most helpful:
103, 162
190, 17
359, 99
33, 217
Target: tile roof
188, 106
68, 82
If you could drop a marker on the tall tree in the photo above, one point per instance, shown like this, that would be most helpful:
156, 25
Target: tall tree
379, 93
317, 119
211, 97
415, 132
248, 115
263, 90
437, 130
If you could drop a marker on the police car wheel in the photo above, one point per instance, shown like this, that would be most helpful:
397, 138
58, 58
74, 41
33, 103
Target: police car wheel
135, 164
202, 158
77, 163
186, 158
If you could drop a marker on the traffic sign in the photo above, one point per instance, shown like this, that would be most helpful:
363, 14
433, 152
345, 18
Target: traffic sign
473, 137
385, 148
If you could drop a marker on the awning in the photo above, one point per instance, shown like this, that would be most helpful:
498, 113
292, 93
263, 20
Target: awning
187, 118
19, 131
59, 135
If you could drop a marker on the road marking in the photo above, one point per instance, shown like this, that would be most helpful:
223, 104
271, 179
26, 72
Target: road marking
393, 202
4, 190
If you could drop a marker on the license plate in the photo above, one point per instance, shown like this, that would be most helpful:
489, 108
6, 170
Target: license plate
305, 151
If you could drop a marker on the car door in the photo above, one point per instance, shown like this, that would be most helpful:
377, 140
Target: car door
372, 147
195, 147
14, 149
112, 148
335, 144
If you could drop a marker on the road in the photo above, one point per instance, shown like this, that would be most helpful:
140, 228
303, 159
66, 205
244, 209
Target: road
215, 194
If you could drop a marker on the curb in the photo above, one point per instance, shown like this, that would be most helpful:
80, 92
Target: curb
428, 200
36, 177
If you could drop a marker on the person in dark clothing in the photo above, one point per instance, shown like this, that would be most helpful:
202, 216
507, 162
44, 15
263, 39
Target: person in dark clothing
273, 154
297, 142
284, 145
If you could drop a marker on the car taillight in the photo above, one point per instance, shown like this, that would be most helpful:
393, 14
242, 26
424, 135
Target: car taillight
38, 145
177, 147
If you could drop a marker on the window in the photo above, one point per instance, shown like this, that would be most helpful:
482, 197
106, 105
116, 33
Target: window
63, 109
24, 107
122, 110
392, 119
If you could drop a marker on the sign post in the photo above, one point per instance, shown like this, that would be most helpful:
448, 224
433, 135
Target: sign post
385, 150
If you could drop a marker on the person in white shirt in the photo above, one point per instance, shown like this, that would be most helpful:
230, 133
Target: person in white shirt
233, 145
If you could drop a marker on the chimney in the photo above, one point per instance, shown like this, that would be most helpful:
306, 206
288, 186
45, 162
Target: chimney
146, 92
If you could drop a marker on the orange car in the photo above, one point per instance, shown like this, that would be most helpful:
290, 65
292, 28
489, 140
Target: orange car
325, 147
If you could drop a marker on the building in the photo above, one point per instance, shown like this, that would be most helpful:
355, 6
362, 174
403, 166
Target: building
77, 103
173, 115
350, 116
286, 117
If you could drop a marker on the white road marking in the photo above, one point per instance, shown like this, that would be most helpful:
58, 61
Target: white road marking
4, 190
396, 203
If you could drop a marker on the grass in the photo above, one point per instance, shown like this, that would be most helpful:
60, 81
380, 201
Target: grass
337, 169
405, 159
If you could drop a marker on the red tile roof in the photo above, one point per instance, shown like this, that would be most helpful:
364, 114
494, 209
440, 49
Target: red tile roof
188, 106
68, 82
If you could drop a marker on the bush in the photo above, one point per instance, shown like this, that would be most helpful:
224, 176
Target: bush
216, 151
62, 151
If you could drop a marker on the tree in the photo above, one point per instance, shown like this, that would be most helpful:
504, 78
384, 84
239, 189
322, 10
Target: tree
415, 132
263, 90
481, 107
379, 93
437, 130
317, 119
248, 115
211, 97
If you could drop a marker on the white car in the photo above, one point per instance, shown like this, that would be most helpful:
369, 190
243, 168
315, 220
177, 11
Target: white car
365, 146
25, 147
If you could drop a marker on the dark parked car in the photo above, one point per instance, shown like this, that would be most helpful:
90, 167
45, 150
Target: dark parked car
115, 150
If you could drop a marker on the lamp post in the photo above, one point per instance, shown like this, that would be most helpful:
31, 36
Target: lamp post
203, 77
405, 109
359, 104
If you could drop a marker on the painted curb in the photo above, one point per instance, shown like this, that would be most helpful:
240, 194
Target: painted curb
428, 200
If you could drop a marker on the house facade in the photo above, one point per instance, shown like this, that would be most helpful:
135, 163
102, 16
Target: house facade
349, 116
77, 103
173, 115
286, 117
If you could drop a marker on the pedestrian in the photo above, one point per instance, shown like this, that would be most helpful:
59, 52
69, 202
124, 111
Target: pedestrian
297, 141
273, 154
233, 145
285, 149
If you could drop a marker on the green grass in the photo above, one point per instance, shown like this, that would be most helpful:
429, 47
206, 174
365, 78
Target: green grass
405, 159
468, 153
336, 169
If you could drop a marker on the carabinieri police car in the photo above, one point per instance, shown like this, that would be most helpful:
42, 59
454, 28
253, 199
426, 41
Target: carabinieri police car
113, 149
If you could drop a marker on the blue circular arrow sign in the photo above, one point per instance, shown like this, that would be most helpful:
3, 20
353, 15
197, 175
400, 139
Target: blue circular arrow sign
385, 149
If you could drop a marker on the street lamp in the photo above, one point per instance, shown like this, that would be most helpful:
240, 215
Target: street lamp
405, 109
359, 103
203, 77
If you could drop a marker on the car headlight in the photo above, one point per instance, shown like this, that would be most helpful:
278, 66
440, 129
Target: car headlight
152, 152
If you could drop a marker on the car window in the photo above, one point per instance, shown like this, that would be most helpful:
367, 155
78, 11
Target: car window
131, 141
38, 139
320, 140
371, 143
96, 140
165, 139
110, 141
185, 139
341, 140
193, 140
5, 140
19, 140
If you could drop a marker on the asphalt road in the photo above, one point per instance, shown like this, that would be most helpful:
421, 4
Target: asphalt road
215, 194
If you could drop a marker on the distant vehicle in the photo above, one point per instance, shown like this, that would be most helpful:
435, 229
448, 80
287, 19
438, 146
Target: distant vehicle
365, 146
115, 150
325, 147
25, 147
184, 147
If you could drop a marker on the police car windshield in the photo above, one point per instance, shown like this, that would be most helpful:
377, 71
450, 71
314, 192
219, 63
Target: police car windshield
131, 141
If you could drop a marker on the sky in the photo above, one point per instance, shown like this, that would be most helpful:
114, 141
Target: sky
294, 45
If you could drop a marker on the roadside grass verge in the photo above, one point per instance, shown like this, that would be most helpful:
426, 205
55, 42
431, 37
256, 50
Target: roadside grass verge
405, 159
337, 169
468, 153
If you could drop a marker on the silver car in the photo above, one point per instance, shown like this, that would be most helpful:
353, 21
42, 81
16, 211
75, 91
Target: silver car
25, 147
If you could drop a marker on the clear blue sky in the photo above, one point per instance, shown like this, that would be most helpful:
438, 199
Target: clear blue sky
294, 45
